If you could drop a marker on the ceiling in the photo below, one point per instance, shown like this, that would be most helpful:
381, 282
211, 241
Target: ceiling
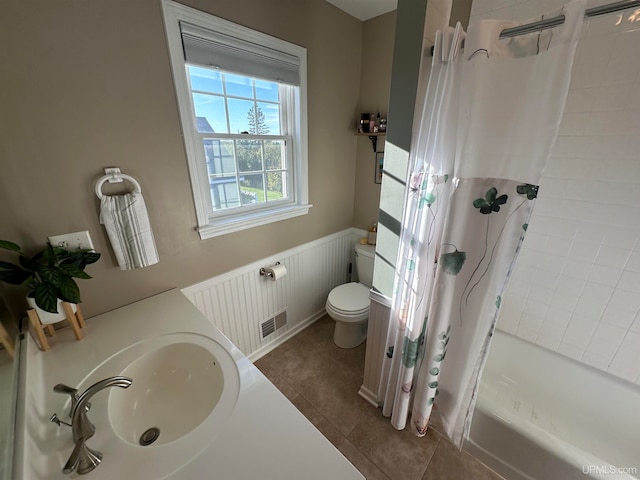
365, 9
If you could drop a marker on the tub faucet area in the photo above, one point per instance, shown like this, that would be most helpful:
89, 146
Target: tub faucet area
83, 459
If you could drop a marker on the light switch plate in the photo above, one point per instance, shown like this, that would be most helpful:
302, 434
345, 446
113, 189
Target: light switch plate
72, 241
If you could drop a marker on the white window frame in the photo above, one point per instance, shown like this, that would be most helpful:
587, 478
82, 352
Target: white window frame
210, 223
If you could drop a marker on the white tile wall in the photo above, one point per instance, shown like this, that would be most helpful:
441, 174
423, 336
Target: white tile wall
576, 285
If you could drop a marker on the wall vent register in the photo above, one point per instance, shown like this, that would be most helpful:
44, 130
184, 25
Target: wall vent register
271, 325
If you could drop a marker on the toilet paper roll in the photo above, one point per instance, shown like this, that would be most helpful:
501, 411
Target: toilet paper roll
276, 272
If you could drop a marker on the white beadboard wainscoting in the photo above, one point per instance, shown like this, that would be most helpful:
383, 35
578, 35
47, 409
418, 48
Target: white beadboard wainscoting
378, 326
239, 300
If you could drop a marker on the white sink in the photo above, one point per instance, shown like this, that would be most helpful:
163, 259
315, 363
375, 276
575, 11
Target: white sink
175, 388
242, 437
185, 385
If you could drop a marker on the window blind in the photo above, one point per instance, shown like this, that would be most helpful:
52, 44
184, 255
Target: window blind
214, 49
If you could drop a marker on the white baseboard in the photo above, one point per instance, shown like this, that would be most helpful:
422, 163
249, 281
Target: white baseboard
369, 396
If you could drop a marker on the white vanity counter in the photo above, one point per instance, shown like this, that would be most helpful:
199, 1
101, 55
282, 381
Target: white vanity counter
265, 436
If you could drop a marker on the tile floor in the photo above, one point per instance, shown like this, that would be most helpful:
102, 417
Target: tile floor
322, 381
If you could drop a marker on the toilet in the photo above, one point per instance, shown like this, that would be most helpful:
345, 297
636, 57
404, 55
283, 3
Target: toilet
348, 304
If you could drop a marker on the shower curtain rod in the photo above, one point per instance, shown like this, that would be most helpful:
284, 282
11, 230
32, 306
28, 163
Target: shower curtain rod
559, 20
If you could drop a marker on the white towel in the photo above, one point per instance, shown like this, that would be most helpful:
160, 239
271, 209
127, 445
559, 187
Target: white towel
127, 223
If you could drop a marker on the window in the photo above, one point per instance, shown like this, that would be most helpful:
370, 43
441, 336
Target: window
242, 101
238, 122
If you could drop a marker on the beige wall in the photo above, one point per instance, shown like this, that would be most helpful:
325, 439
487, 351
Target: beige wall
408, 52
377, 56
86, 85
460, 11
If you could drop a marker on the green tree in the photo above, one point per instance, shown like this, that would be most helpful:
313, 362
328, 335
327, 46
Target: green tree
257, 124
252, 154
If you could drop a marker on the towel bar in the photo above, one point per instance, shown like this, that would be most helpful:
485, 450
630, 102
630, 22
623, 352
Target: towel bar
113, 175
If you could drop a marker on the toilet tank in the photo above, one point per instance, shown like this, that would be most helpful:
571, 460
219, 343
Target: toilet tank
364, 263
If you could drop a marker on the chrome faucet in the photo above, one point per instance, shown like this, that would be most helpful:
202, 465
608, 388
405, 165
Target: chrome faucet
72, 392
83, 459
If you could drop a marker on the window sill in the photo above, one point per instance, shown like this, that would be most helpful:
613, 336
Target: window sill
237, 223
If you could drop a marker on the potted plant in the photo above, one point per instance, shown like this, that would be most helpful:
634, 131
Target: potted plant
49, 275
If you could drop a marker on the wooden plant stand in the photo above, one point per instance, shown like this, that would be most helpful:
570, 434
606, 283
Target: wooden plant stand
76, 320
6, 341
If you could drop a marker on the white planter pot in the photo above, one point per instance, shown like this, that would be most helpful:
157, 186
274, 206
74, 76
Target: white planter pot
47, 318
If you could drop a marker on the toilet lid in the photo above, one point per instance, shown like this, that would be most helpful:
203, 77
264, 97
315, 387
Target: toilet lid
350, 297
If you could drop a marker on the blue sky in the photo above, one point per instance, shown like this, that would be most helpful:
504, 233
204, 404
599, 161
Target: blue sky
209, 82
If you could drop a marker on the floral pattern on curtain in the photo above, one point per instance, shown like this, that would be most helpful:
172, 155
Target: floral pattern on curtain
488, 122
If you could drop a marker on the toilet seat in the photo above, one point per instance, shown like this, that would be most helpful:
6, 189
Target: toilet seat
349, 302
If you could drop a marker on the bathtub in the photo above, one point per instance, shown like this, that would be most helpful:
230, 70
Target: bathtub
543, 416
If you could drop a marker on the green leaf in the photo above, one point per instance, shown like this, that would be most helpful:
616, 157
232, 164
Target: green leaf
68, 289
431, 400
7, 265
390, 352
411, 265
423, 332
502, 199
439, 357
49, 274
490, 203
7, 245
12, 274
430, 197
60, 252
74, 271
410, 352
498, 301
50, 255
46, 296
434, 371
452, 262
81, 258
531, 191
525, 226
433, 384
480, 203
90, 257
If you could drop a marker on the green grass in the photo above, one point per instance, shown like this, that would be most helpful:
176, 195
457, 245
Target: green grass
271, 195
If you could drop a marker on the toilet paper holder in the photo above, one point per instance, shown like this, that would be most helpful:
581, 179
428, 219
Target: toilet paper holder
263, 271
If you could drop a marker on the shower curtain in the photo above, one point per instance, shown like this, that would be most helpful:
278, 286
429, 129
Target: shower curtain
489, 119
